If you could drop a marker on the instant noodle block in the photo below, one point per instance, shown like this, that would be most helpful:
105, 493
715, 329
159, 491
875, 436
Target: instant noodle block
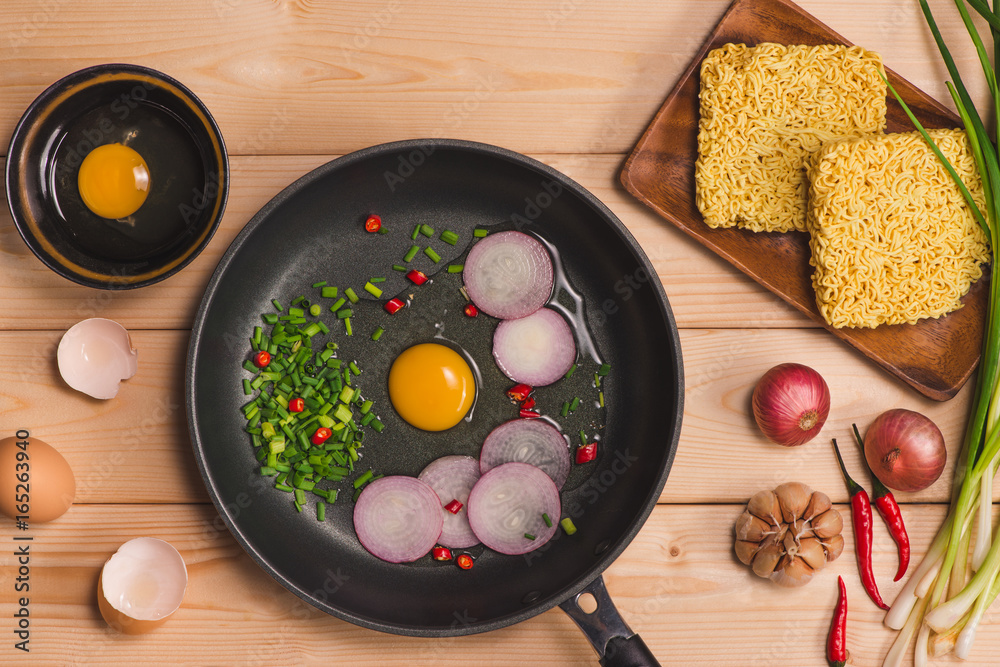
892, 238
764, 111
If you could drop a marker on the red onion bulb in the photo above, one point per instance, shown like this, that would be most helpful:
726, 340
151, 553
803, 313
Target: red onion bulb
905, 450
791, 403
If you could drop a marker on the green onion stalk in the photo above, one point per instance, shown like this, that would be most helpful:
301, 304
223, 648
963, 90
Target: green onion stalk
945, 598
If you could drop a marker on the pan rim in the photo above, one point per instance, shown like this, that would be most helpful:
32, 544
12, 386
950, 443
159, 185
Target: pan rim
601, 210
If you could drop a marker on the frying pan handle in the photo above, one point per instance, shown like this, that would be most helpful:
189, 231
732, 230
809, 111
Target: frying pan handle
614, 641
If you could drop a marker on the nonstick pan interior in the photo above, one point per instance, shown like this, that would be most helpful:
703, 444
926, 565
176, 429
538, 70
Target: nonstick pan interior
312, 231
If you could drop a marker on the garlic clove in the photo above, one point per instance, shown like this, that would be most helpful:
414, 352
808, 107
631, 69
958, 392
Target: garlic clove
745, 551
818, 503
828, 524
793, 497
795, 573
766, 560
812, 552
834, 547
764, 505
750, 528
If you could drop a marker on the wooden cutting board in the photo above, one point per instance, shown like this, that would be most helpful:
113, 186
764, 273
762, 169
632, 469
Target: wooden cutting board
934, 356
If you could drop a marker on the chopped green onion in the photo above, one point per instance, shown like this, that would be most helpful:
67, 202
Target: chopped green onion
565, 409
455, 268
347, 326
315, 310
411, 253
363, 479
378, 333
479, 232
604, 369
321, 283
529, 536
416, 232
351, 296
344, 313
449, 237
427, 230
337, 304
567, 526
547, 520
583, 437
574, 404
429, 251
247, 389
328, 292
321, 511
284, 487
399, 267
377, 280
600, 398
371, 289
277, 305
572, 369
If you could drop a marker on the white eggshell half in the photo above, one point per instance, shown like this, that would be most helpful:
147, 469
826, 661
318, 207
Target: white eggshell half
95, 355
141, 585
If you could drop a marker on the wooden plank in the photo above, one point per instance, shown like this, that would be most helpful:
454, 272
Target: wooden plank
286, 77
670, 585
135, 447
704, 291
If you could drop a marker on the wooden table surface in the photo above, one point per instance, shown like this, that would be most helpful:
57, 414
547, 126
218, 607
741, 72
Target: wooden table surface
572, 83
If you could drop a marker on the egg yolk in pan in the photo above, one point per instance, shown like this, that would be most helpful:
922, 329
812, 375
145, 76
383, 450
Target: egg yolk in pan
113, 181
431, 386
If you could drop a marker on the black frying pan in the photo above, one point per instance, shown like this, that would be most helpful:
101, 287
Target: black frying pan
313, 231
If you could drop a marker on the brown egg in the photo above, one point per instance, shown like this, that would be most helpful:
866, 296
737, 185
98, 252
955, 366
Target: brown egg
36, 482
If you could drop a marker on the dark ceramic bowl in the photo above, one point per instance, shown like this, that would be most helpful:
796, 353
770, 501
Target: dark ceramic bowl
161, 120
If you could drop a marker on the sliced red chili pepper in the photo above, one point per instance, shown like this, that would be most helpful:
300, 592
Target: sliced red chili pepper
861, 515
373, 223
321, 435
296, 405
887, 506
836, 642
417, 277
262, 359
586, 453
464, 561
393, 306
470, 310
519, 392
441, 553
528, 414
528, 403
454, 506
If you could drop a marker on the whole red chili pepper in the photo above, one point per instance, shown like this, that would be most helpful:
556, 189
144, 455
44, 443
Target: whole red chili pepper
836, 642
861, 515
887, 506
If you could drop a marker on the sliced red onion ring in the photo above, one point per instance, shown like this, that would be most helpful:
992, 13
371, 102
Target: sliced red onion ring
530, 441
452, 478
398, 518
536, 350
508, 275
508, 502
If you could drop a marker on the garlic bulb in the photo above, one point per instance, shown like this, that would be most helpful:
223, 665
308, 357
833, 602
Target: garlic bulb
787, 534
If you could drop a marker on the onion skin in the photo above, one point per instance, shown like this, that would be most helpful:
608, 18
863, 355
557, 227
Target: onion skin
791, 403
905, 450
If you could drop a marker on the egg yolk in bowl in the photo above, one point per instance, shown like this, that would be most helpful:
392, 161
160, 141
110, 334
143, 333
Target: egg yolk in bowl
113, 181
431, 386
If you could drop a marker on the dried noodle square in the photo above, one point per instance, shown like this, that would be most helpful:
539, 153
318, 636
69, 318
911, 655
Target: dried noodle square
764, 111
892, 238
